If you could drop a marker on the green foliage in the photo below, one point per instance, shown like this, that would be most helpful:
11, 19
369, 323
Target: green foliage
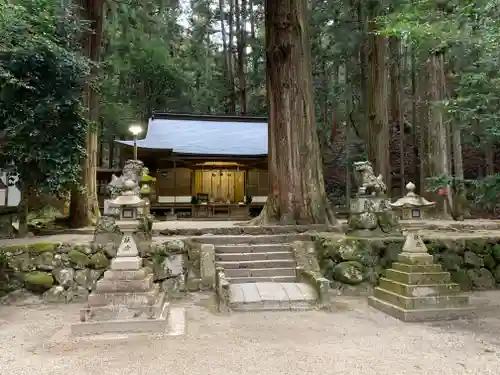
40, 108
470, 34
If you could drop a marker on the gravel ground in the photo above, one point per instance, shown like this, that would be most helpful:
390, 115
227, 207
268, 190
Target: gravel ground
352, 339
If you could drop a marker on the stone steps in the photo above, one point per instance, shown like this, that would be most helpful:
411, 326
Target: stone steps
255, 279
249, 262
243, 256
253, 248
259, 272
257, 264
253, 240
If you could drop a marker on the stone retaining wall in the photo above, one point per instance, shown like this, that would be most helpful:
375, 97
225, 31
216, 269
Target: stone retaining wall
68, 272
355, 265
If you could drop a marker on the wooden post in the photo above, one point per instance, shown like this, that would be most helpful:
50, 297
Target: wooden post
234, 183
175, 187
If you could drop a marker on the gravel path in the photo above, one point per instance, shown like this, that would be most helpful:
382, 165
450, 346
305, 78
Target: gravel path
352, 339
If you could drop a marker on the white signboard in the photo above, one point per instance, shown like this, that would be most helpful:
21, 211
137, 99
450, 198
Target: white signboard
11, 196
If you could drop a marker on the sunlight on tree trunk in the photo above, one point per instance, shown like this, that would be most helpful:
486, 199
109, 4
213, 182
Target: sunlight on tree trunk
297, 192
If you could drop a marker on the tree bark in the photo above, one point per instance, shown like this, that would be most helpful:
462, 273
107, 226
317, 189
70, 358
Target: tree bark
379, 133
297, 194
232, 87
438, 152
84, 203
397, 110
241, 45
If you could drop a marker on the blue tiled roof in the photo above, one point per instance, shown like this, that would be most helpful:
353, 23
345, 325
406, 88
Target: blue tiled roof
217, 136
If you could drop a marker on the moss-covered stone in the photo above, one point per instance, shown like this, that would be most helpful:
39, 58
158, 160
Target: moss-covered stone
350, 272
462, 278
495, 252
38, 281
479, 246
99, 261
489, 262
78, 259
42, 247
480, 255
496, 274
390, 253
481, 278
47, 261
327, 266
450, 260
472, 260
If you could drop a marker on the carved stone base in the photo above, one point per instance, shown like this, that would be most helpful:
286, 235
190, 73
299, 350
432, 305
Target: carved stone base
370, 224
124, 301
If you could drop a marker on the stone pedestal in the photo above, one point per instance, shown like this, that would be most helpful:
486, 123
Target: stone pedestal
125, 299
371, 216
417, 289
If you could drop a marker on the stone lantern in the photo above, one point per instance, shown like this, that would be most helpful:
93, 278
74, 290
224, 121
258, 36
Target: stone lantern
125, 299
412, 205
129, 205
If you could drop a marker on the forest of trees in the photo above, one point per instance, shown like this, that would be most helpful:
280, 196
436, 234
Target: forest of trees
412, 86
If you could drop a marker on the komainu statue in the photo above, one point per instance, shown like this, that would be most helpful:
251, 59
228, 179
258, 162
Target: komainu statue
370, 213
132, 170
368, 183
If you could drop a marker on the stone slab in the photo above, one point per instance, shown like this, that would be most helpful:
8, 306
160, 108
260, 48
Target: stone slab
236, 292
142, 325
126, 264
308, 292
262, 279
253, 248
272, 292
120, 285
417, 278
417, 267
272, 296
251, 293
293, 291
243, 257
260, 272
421, 303
127, 274
131, 300
421, 315
416, 258
418, 290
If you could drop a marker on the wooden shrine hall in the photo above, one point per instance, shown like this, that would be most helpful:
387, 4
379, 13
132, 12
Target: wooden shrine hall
205, 166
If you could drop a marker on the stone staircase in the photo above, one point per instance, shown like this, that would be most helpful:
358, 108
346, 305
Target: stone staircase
261, 272
252, 263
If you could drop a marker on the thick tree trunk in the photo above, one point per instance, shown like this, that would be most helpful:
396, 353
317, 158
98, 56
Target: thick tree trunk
230, 55
438, 151
297, 194
23, 212
460, 209
84, 203
397, 110
241, 45
379, 133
